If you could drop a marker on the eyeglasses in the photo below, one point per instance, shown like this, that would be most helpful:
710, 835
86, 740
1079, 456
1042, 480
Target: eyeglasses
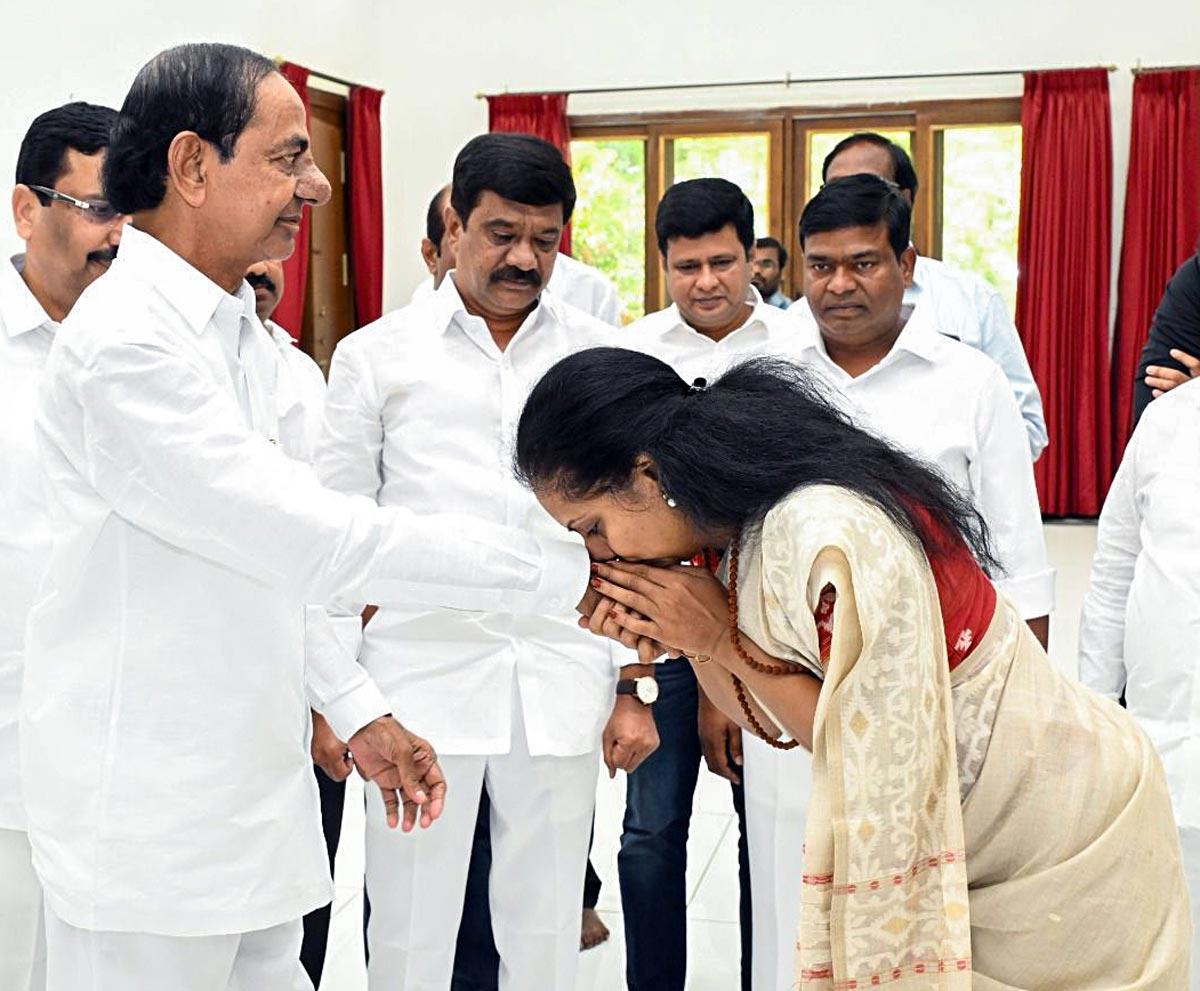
97, 211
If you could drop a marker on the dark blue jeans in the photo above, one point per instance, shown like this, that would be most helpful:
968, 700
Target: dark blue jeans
652, 863
316, 923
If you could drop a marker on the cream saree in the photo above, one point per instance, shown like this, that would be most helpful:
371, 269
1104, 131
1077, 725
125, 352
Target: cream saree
994, 827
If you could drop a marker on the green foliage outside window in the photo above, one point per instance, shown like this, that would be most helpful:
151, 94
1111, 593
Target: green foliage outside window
609, 227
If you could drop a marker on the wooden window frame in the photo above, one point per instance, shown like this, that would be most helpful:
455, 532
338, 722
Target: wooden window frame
789, 129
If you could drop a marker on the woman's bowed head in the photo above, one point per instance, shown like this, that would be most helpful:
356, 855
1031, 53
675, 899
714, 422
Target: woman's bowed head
652, 471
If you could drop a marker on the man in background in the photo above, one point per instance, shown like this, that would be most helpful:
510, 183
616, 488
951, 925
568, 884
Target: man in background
1140, 633
1172, 352
584, 287
705, 233
770, 259
420, 413
965, 306
71, 235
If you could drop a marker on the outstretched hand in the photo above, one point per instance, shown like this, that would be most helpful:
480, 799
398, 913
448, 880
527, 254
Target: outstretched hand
683, 608
405, 769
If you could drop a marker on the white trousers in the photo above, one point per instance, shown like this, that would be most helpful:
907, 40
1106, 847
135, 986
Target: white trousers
22, 936
1189, 840
87, 960
778, 787
540, 825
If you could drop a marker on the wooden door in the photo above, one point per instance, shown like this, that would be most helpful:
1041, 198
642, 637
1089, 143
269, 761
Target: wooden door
329, 302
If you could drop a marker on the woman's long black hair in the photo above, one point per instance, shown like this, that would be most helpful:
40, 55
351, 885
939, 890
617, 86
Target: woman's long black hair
728, 453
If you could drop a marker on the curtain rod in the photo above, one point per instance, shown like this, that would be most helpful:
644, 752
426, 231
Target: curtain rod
787, 80
279, 60
1139, 69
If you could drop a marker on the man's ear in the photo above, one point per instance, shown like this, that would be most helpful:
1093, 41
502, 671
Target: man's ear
908, 263
25, 207
189, 160
429, 255
454, 227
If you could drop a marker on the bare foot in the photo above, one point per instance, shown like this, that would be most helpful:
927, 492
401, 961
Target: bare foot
594, 931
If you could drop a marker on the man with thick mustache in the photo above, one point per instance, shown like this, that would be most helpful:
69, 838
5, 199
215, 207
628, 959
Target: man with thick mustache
71, 234
173, 654
421, 413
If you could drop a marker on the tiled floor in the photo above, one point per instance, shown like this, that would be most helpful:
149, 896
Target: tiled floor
712, 848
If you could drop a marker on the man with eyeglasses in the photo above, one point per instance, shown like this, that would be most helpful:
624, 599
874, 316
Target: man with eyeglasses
71, 236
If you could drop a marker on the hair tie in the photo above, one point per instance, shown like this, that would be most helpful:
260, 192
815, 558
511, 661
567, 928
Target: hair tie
699, 385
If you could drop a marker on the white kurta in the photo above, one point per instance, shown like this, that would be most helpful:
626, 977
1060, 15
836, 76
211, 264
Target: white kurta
26, 333
25, 336
948, 404
1140, 630
422, 413
164, 715
574, 282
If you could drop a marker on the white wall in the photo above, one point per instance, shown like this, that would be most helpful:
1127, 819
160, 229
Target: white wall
445, 53
432, 58
56, 52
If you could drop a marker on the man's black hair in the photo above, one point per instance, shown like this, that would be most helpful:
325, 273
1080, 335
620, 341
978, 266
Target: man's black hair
770, 242
211, 89
858, 201
435, 221
517, 167
703, 206
903, 173
82, 127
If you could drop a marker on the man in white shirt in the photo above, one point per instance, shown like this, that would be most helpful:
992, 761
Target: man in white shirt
165, 705
705, 232
421, 410
930, 395
70, 234
1140, 632
967, 307
768, 265
584, 287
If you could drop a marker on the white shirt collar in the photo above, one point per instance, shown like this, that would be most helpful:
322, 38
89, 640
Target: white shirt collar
449, 308
918, 338
195, 296
20, 312
759, 319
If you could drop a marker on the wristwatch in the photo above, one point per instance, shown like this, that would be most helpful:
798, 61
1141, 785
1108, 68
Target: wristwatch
645, 690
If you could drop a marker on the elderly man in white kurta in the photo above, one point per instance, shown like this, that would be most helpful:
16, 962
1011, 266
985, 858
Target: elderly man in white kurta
421, 413
1140, 632
165, 711
70, 235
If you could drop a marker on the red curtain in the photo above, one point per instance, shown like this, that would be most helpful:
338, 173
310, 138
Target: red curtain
289, 314
1063, 260
364, 160
1162, 219
540, 114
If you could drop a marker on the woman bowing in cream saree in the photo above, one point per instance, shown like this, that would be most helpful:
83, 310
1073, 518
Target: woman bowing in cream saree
977, 820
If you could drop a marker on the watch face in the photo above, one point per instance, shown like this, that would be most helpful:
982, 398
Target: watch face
647, 690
